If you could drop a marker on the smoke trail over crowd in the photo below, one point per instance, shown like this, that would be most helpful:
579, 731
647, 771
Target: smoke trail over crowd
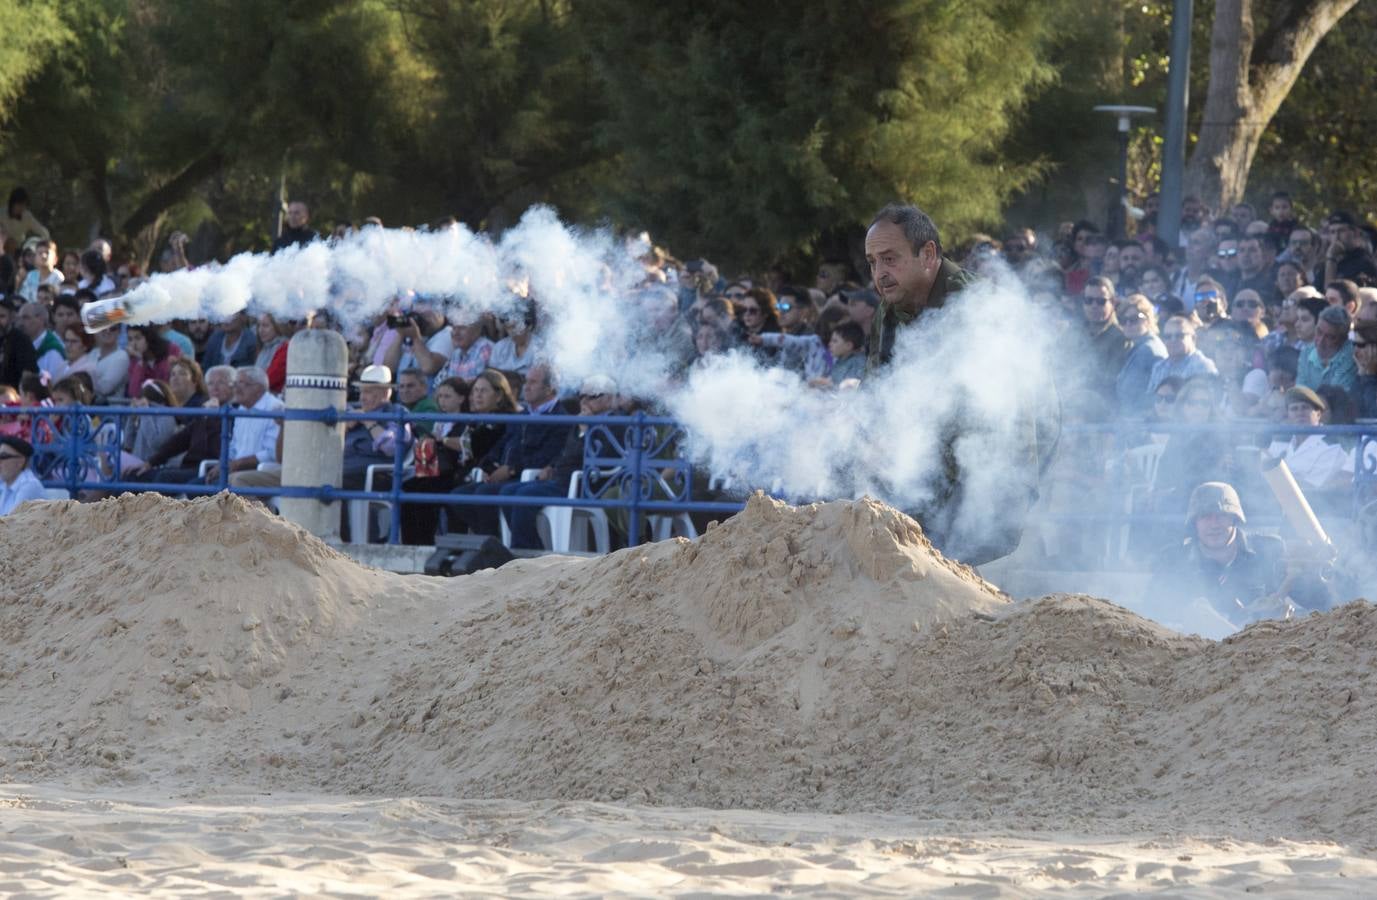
975, 365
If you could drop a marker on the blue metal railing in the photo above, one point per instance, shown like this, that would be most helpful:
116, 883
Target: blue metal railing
630, 462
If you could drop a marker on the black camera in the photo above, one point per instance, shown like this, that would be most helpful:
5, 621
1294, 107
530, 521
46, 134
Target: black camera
400, 320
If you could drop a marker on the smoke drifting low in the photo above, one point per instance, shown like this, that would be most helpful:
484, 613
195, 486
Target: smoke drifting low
960, 380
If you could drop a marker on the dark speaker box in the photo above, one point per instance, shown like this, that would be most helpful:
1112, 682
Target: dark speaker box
464, 554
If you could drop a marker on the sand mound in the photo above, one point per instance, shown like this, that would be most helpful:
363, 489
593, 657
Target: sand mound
819, 658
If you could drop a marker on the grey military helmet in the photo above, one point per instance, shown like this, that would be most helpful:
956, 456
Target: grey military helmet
1213, 497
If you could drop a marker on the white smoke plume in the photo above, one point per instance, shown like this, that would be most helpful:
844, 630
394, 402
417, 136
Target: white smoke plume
979, 362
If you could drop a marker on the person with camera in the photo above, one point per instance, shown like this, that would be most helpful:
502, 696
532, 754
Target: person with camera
1348, 256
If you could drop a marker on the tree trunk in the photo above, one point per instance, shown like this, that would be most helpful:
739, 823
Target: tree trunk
1250, 76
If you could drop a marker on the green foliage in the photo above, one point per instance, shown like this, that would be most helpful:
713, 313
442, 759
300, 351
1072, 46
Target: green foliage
32, 31
745, 131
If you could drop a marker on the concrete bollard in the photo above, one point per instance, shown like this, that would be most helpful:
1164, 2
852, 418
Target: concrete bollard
313, 452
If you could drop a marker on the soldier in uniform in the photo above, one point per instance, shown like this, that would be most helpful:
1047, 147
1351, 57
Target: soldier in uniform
904, 252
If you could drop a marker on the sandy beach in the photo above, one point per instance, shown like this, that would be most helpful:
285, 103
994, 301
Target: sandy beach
201, 699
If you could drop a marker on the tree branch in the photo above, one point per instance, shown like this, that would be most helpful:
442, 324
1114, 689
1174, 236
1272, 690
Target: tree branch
175, 189
1281, 52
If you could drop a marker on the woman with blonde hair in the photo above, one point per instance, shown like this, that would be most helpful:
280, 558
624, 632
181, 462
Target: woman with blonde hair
1138, 318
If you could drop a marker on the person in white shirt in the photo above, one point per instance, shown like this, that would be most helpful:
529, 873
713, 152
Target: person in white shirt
1316, 464
18, 483
254, 439
45, 259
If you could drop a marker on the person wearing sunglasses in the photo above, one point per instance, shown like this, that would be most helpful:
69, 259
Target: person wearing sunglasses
1246, 308
1226, 262
1106, 347
1207, 303
1364, 341
1183, 360
796, 311
18, 483
1138, 319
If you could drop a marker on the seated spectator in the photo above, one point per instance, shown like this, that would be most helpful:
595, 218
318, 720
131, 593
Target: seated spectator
17, 354
1231, 346
187, 384
231, 343
143, 435
797, 312
253, 440
1156, 286
1349, 255
413, 392
846, 347
1364, 342
1281, 377
78, 344
1318, 464
456, 447
517, 351
1247, 308
150, 357
1342, 293
1138, 318
1330, 359
178, 459
1211, 299
1192, 457
597, 397
271, 335
471, 355
1219, 577
373, 442
526, 446
1290, 277
51, 353
18, 483
1183, 360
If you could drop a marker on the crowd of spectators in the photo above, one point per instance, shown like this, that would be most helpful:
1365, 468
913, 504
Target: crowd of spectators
1250, 322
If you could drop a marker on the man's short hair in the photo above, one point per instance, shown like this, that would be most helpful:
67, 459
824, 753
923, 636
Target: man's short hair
917, 225
255, 374
1101, 282
413, 372
1336, 316
850, 332
1346, 289
227, 371
1280, 195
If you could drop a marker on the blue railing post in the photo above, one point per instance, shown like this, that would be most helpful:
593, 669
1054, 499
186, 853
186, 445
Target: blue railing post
637, 478
226, 426
395, 493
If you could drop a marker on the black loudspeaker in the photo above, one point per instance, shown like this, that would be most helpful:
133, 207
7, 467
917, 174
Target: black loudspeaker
464, 554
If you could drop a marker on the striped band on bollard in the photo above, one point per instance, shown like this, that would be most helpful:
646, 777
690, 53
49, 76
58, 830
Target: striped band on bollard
319, 382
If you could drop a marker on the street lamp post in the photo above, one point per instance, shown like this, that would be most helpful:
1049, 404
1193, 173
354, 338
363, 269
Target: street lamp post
1118, 218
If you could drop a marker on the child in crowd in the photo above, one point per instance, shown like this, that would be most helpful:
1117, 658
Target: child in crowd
845, 345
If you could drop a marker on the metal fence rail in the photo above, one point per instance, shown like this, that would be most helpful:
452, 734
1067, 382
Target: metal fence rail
637, 463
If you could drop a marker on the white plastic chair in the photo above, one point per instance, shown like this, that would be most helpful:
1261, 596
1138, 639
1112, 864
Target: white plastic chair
526, 475
56, 494
1140, 473
571, 525
361, 511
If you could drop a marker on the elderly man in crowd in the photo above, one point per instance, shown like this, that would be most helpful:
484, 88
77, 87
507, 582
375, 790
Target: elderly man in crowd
47, 346
1183, 360
18, 483
1330, 359
413, 392
373, 441
254, 440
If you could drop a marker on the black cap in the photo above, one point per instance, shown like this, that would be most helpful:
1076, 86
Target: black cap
21, 446
1342, 217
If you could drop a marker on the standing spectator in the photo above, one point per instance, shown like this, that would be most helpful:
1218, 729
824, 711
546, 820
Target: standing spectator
18, 483
43, 272
1246, 309
1132, 259
1183, 360
517, 351
150, 356
1155, 285
48, 348
1342, 293
471, 355
1330, 359
17, 354
1243, 215
1291, 277
1349, 256
298, 231
231, 343
1303, 247
1106, 347
1364, 341
757, 312
1257, 267
846, 346
1227, 264
93, 277
797, 314
1307, 319
19, 222
1283, 221
1139, 322
1090, 247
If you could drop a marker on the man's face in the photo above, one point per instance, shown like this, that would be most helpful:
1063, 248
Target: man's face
1179, 336
861, 313
1299, 244
465, 335
593, 403
220, 386
1246, 306
198, 329
247, 392
32, 322
1251, 256
1281, 210
1016, 249
411, 389
65, 317
1345, 236
1200, 249
1243, 215
1215, 530
1191, 212
12, 463
536, 391
1329, 339
901, 277
1131, 261
298, 215
1097, 303
372, 396
790, 311
830, 277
